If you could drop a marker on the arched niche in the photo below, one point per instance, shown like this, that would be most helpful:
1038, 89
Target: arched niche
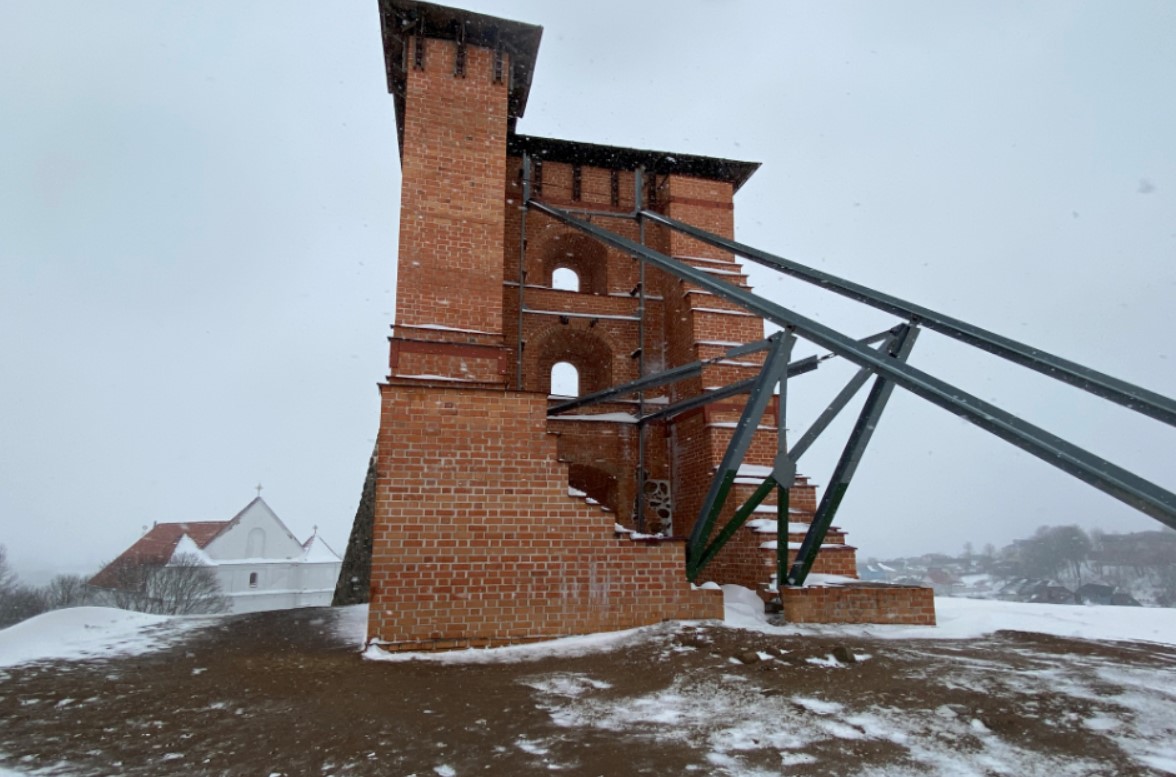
255, 543
580, 254
588, 353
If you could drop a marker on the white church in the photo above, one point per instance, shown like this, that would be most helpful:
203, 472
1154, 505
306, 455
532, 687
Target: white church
258, 562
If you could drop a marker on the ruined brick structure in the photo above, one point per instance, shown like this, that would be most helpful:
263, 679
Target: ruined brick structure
493, 524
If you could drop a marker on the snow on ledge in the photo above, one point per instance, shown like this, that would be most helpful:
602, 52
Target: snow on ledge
442, 328
772, 509
725, 312
444, 378
768, 525
568, 314
616, 418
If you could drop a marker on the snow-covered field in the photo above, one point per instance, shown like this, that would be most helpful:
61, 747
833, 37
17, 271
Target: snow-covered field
91, 632
967, 719
971, 618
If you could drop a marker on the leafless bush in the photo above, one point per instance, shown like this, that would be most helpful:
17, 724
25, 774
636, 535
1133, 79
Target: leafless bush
184, 586
17, 602
68, 591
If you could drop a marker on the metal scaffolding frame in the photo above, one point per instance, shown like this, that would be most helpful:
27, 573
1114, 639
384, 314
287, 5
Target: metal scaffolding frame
887, 363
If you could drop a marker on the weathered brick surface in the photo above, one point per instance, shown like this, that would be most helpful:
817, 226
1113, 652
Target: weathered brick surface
745, 561
452, 167
859, 603
477, 541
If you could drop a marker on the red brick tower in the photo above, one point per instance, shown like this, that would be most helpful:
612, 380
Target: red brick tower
477, 538
493, 523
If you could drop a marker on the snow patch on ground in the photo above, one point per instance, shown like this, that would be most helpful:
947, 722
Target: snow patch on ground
91, 632
714, 715
972, 618
564, 647
351, 624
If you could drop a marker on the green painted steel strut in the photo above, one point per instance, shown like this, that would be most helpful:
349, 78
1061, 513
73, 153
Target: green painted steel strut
695, 549
783, 497
737, 521
775, 366
859, 437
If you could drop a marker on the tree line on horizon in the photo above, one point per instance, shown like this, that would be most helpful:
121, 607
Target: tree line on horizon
1073, 556
181, 587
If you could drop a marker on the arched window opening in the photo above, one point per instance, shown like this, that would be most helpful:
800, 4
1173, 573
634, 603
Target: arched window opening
574, 253
565, 380
253, 580
565, 279
255, 543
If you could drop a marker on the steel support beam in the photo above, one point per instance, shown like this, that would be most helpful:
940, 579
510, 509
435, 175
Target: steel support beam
800, 367
520, 344
654, 381
728, 531
1109, 478
899, 349
1119, 391
697, 552
714, 395
835, 407
784, 474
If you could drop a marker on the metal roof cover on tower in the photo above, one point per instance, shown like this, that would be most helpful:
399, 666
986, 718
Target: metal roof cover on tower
401, 20
732, 171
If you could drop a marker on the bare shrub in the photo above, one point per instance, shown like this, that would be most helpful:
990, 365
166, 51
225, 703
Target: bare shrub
183, 586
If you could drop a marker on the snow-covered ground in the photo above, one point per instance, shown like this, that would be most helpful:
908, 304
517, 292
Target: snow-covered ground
944, 739
725, 711
957, 619
91, 632
971, 618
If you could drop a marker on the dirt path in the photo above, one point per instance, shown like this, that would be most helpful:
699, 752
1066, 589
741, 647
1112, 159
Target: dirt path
283, 694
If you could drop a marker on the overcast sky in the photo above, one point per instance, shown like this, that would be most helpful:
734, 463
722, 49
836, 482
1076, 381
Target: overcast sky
198, 212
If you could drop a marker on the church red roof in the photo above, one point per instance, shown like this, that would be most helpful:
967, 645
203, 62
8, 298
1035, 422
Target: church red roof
157, 546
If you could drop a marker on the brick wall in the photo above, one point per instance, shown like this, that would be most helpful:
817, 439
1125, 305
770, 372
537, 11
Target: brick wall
452, 220
476, 541
859, 603
745, 561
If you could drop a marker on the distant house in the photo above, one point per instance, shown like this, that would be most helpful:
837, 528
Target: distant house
1030, 589
942, 581
1095, 593
1051, 593
1098, 593
259, 564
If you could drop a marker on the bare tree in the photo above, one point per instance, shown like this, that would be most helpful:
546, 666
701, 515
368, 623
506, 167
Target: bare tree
68, 591
17, 602
183, 586
21, 603
7, 576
